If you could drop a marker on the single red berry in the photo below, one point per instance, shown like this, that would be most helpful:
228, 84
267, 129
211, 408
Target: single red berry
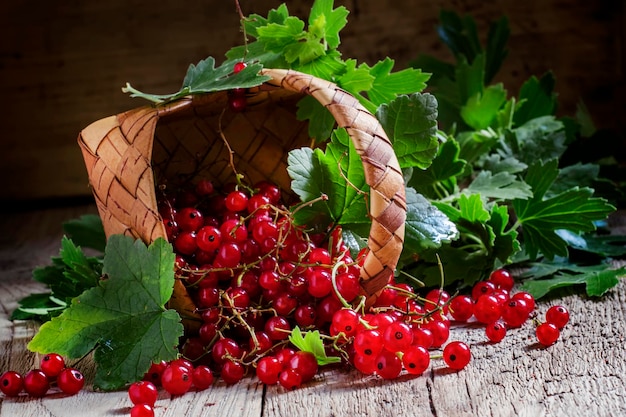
482, 288
456, 355
416, 359
368, 342
304, 363
224, 349
461, 308
154, 373
239, 66
267, 370
502, 279
487, 309
70, 381
52, 364
547, 334
176, 379
495, 331
36, 383
290, 379
388, 365
11, 383
232, 372
143, 392
208, 238
423, 337
397, 336
319, 282
204, 187
523, 295
277, 328
142, 410
557, 315
305, 315
515, 313
237, 103
346, 321
440, 331
189, 219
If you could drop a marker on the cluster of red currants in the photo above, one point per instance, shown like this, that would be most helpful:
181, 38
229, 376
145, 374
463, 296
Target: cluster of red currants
37, 382
493, 304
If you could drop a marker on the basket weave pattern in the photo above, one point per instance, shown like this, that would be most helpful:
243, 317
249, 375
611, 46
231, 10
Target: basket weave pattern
128, 155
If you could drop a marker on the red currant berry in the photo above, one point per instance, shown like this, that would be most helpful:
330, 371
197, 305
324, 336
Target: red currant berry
523, 295
11, 383
461, 308
388, 365
228, 255
232, 372
176, 379
185, 243
36, 383
239, 66
70, 381
456, 355
557, 315
502, 279
305, 315
154, 373
423, 337
237, 103
547, 333
204, 187
440, 331
208, 238
290, 379
189, 219
52, 364
482, 288
224, 349
142, 410
304, 363
368, 342
487, 309
397, 336
346, 321
143, 392
319, 282
495, 331
277, 328
515, 313
416, 360
267, 370
236, 201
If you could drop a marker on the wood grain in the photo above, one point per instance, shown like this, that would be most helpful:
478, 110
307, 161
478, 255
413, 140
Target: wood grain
583, 374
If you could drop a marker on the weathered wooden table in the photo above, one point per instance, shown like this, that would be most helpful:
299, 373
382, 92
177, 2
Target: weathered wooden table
583, 374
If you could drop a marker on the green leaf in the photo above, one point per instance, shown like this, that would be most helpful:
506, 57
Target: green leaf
442, 173
87, 232
337, 173
333, 21
321, 121
603, 245
505, 243
501, 186
39, 307
537, 99
496, 50
497, 163
459, 34
577, 175
482, 109
574, 209
388, 85
470, 78
597, 281
124, 318
204, 77
426, 225
542, 138
311, 341
355, 80
410, 122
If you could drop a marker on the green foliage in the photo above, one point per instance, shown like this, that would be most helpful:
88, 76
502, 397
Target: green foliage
311, 341
123, 318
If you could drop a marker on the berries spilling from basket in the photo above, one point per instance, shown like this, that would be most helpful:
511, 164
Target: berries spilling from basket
260, 283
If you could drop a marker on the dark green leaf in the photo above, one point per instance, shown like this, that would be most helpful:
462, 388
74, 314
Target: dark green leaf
124, 318
87, 232
537, 99
459, 34
321, 121
496, 50
501, 186
446, 166
410, 122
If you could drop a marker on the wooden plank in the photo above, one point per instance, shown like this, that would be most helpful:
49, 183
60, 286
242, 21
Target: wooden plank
584, 373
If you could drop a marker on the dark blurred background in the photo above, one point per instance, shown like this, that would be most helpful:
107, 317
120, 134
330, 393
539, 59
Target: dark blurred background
63, 63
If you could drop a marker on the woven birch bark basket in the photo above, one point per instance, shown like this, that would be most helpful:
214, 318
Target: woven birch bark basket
129, 155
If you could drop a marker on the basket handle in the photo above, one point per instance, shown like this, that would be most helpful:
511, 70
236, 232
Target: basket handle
382, 172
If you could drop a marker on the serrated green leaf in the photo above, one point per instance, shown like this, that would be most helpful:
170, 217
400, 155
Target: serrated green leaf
87, 232
542, 139
441, 173
496, 51
603, 245
277, 36
204, 77
459, 34
596, 282
505, 243
312, 342
337, 173
321, 121
577, 175
426, 225
388, 85
482, 109
537, 99
333, 21
471, 208
501, 186
355, 80
411, 124
124, 318
497, 163
470, 78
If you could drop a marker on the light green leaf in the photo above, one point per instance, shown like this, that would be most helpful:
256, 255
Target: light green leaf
501, 186
388, 85
426, 225
123, 318
411, 124
328, 22
311, 341
481, 110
